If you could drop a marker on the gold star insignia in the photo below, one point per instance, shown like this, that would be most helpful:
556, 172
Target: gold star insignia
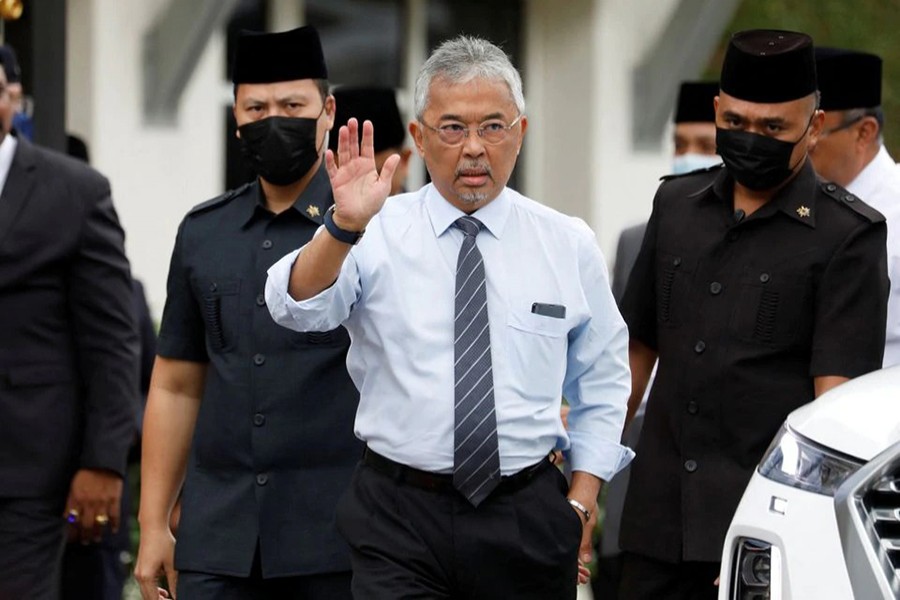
803, 211
312, 210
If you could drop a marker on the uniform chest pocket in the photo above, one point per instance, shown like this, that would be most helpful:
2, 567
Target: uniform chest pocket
536, 348
674, 273
220, 308
336, 337
774, 307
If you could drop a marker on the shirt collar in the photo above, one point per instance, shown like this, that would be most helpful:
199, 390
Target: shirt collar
869, 179
797, 199
311, 203
442, 214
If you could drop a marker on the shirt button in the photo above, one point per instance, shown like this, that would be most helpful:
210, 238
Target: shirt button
213, 287
262, 479
676, 262
259, 419
699, 347
830, 187
261, 300
259, 359
764, 278
690, 465
267, 244
715, 288
849, 198
693, 408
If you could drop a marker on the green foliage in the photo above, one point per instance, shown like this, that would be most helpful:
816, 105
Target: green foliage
866, 25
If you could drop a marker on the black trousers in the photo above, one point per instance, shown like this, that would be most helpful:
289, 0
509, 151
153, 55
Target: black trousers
32, 535
411, 543
645, 578
194, 585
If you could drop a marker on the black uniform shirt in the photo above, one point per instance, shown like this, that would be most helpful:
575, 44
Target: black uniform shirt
273, 446
744, 314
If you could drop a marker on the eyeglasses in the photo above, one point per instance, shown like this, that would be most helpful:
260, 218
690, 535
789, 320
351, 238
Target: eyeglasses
842, 126
490, 132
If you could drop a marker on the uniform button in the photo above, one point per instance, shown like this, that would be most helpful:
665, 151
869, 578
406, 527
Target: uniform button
830, 187
690, 465
262, 479
676, 262
259, 359
715, 288
213, 287
699, 347
849, 198
261, 300
267, 244
259, 419
693, 408
764, 278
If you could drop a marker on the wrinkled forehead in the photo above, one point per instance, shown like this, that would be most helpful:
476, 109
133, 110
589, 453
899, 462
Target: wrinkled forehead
473, 95
789, 110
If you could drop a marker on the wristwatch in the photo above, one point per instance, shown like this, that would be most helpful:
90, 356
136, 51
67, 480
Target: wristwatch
341, 235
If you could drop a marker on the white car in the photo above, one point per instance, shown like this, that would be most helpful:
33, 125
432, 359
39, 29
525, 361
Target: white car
783, 542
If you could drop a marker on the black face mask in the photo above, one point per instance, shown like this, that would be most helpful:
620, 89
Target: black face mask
758, 162
280, 149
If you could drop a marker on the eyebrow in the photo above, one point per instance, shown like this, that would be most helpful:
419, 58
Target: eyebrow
454, 117
764, 120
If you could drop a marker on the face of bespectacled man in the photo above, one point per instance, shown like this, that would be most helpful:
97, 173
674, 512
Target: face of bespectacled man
469, 137
840, 153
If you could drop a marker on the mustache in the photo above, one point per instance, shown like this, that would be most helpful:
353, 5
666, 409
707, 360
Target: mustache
474, 168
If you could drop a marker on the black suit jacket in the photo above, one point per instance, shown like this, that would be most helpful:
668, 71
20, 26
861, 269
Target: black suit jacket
68, 339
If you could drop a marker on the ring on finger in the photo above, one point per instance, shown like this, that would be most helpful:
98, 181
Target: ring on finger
101, 520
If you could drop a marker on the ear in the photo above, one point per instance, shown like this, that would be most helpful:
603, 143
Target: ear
523, 123
415, 131
330, 107
868, 131
815, 128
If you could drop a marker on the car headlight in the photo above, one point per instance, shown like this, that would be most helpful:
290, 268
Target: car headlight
801, 463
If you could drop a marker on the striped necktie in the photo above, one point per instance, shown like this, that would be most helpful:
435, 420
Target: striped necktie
476, 455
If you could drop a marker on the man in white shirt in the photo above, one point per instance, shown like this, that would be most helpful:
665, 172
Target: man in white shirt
851, 153
471, 311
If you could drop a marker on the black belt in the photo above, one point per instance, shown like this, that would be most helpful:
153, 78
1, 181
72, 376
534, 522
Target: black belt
441, 482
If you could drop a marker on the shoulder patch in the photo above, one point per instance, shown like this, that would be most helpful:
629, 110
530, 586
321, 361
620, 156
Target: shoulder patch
219, 200
711, 169
842, 196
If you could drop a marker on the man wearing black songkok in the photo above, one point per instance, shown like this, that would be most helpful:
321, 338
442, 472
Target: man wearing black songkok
256, 420
758, 286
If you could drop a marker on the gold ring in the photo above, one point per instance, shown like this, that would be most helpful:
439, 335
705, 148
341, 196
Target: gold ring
101, 520
72, 515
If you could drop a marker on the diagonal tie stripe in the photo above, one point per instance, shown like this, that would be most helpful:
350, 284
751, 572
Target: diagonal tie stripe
476, 455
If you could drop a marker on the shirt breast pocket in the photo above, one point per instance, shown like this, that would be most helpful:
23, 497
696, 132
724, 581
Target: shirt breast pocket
774, 307
673, 285
219, 306
536, 347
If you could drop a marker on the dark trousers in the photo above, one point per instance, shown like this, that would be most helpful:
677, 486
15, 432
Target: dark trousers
645, 578
205, 586
411, 543
32, 534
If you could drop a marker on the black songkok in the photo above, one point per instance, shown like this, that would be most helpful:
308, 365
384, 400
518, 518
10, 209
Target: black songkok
10, 64
273, 57
848, 79
769, 66
378, 105
695, 102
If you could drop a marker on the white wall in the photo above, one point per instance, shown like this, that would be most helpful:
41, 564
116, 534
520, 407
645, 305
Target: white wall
157, 173
579, 61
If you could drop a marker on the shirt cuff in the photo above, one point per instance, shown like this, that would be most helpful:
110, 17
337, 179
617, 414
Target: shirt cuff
312, 314
598, 456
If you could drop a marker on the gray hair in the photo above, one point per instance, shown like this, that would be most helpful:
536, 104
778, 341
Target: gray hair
465, 58
851, 116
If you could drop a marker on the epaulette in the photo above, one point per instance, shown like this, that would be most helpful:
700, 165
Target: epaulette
852, 202
695, 172
219, 200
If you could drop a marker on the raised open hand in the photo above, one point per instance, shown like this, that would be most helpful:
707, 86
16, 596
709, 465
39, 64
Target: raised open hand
359, 190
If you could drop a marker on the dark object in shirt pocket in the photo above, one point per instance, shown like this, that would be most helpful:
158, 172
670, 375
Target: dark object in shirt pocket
220, 312
556, 311
773, 309
335, 337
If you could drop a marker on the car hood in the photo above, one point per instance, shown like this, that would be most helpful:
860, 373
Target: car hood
860, 418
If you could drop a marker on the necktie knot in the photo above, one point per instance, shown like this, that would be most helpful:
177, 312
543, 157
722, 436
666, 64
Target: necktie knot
470, 226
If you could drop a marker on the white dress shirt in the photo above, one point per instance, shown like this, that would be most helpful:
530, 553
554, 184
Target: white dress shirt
879, 186
395, 295
7, 152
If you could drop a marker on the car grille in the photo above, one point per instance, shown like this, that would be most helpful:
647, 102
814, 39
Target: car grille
881, 514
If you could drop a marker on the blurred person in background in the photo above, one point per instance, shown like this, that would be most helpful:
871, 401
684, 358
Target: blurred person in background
851, 153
